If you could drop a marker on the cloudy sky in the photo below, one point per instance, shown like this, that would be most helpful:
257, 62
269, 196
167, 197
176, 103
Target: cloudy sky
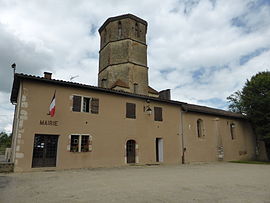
203, 50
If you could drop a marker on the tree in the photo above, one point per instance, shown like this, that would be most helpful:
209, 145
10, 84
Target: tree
5, 141
254, 102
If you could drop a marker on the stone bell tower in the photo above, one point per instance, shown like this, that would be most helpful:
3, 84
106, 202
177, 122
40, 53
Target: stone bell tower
123, 55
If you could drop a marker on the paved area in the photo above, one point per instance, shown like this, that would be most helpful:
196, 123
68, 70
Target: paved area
212, 182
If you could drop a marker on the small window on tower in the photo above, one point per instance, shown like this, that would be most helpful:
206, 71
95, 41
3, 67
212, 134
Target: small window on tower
104, 37
158, 114
137, 30
119, 29
135, 88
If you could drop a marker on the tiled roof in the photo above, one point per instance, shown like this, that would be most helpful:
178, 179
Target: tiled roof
120, 83
152, 91
186, 107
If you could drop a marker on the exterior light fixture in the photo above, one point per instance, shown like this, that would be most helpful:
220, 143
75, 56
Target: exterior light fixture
148, 110
13, 66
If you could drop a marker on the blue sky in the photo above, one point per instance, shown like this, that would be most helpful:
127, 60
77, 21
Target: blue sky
203, 50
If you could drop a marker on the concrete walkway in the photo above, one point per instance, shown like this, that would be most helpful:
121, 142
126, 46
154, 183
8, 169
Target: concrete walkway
214, 182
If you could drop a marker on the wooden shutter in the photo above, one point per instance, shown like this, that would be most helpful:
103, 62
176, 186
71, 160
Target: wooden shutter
94, 105
130, 110
76, 103
158, 113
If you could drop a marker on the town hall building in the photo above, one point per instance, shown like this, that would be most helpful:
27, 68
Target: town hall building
122, 121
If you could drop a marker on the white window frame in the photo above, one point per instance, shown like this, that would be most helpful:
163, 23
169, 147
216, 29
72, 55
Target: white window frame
80, 142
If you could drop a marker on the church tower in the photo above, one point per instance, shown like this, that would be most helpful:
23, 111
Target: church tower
123, 55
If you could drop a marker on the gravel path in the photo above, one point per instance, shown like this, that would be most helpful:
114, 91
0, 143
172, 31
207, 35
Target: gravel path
211, 182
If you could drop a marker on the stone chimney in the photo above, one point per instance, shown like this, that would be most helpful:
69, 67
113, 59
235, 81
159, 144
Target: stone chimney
48, 75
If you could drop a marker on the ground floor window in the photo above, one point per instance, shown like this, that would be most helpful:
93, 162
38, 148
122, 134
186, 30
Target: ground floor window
80, 143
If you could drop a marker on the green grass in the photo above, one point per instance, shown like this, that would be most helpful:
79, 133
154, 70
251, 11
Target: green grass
251, 162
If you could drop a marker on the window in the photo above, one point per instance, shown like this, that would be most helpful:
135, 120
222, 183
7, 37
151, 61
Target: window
158, 113
135, 86
130, 110
119, 29
232, 130
74, 144
105, 35
85, 104
80, 143
94, 105
76, 103
200, 128
137, 31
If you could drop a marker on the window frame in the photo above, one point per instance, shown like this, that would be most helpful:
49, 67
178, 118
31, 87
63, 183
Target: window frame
90, 105
132, 115
79, 145
158, 113
200, 128
232, 130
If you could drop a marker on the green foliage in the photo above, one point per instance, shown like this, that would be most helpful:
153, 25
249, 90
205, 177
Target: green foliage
254, 102
5, 141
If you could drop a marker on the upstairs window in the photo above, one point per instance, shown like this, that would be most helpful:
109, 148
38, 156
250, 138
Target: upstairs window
76, 103
85, 104
130, 110
119, 29
200, 128
158, 114
232, 130
94, 105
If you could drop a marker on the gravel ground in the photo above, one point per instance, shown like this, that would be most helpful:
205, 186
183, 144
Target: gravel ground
210, 182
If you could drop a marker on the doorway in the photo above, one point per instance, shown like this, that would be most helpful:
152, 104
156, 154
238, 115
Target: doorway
44, 151
131, 151
159, 149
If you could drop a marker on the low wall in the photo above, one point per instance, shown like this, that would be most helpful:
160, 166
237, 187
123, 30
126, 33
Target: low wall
6, 167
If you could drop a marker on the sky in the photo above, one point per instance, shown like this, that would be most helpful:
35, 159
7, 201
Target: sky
203, 50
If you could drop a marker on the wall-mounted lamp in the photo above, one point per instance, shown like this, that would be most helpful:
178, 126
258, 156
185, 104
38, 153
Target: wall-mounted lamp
148, 110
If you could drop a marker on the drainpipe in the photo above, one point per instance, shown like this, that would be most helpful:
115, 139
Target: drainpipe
182, 134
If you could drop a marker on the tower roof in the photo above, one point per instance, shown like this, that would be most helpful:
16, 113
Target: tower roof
111, 19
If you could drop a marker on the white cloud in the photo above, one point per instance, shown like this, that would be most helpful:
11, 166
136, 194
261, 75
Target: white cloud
194, 47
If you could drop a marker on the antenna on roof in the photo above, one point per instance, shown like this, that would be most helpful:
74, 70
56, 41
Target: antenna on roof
13, 66
72, 77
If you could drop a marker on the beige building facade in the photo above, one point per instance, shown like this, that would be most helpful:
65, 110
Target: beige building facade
121, 122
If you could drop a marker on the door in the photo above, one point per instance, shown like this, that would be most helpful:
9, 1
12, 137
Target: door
159, 149
131, 151
45, 151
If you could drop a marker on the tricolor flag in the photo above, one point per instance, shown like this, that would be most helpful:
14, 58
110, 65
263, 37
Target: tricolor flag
52, 106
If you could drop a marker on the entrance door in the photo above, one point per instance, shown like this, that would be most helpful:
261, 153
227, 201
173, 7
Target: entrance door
45, 151
131, 153
159, 149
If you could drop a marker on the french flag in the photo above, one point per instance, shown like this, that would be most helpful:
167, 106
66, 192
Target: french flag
52, 106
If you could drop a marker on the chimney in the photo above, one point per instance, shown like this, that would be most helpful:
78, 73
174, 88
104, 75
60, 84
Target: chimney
48, 75
165, 94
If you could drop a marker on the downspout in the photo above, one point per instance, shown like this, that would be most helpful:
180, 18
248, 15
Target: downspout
182, 134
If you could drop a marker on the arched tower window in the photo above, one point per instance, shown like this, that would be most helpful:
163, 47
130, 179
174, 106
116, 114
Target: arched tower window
232, 130
137, 30
119, 29
200, 128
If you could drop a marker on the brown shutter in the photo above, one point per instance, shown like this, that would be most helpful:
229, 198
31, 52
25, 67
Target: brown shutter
77, 103
130, 110
94, 105
158, 113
